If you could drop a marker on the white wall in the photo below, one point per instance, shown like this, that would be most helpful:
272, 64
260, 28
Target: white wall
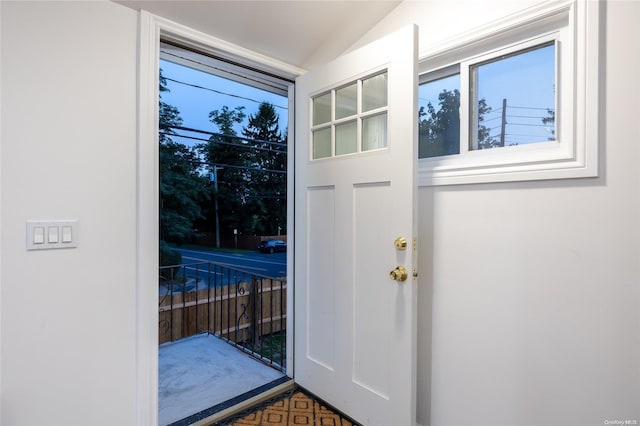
68, 152
530, 293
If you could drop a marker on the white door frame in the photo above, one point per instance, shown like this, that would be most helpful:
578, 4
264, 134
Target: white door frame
151, 27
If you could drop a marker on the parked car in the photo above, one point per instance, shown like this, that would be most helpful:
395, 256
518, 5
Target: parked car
272, 246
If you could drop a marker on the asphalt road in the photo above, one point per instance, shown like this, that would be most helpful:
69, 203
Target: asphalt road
270, 265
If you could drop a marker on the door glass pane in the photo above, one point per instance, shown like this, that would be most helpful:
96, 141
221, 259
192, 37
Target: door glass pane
322, 143
346, 101
374, 92
322, 109
513, 99
438, 117
374, 132
346, 138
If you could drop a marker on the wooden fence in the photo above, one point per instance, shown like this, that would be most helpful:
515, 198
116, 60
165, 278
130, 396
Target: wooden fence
243, 312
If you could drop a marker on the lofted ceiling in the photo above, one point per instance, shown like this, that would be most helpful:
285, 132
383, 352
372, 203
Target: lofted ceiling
303, 33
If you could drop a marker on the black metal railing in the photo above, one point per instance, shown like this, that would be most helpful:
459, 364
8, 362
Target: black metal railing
245, 309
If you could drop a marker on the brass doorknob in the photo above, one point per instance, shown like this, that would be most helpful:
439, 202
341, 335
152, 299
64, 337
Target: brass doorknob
400, 243
399, 274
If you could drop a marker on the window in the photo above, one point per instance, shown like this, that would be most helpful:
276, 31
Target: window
515, 100
351, 118
438, 115
511, 102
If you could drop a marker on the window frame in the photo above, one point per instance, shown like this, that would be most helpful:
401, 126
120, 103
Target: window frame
506, 53
573, 26
521, 153
358, 116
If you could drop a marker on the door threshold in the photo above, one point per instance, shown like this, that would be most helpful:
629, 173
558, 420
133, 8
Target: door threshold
235, 405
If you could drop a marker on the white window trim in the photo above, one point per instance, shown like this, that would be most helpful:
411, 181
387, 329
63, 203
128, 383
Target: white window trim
152, 28
575, 26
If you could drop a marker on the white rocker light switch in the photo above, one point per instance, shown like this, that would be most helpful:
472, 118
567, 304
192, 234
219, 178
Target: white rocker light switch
38, 235
52, 234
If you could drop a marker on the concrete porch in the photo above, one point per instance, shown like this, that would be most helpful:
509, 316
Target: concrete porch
199, 372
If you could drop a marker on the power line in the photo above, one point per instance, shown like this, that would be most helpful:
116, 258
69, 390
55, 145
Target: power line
528, 116
494, 111
230, 166
256, 148
507, 134
222, 135
491, 119
220, 92
526, 136
530, 125
521, 107
272, 197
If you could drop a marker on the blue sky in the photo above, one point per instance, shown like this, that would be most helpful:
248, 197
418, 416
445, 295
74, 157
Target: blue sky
527, 81
195, 104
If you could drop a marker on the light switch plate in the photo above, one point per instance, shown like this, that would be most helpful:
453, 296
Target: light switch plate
52, 234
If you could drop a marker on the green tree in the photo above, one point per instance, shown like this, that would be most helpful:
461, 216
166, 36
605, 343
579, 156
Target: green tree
485, 140
268, 187
251, 197
228, 157
182, 192
168, 116
182, 188
550, 120
226, 118
439, 130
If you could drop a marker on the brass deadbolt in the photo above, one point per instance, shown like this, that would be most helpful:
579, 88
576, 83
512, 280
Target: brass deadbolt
399, 274
401, 243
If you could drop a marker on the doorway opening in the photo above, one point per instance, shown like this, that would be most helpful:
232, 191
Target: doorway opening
222, 282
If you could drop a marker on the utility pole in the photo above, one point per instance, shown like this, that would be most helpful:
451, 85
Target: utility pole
504, 121
214, 178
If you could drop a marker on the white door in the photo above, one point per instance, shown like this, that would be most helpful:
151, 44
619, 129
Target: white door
356, 157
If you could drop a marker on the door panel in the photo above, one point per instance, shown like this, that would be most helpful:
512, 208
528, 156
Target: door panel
321, 293
371, 368
355, 328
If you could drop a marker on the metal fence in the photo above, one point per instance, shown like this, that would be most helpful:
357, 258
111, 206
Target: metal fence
245, 309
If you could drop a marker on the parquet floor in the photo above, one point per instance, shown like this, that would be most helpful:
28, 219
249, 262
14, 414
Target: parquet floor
292, 408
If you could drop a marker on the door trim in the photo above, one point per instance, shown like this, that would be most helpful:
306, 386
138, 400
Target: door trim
151, 28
